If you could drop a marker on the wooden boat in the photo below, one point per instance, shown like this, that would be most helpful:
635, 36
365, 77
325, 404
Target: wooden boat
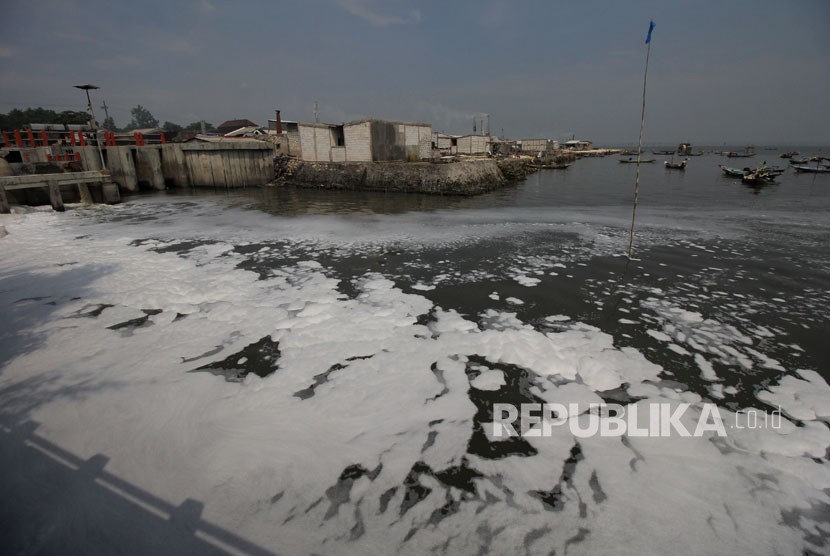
733, 172
672, 165
811, 169
789, 154
634, 161
748, 152
751, 178
561, 166
798, 161
761, 175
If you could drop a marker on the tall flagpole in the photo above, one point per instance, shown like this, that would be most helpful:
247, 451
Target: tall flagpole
640, 146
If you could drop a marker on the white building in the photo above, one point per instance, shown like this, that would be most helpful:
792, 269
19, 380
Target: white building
535, 146
368, 140
473, 144
578, 145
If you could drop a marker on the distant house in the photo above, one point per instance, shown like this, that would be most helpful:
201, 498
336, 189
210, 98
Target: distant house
368, 140
536, 146
446, 144
233, 125
247, 131
472, 144
287, 142
577, 145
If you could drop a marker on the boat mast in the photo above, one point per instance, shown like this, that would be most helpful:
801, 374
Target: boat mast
640, 146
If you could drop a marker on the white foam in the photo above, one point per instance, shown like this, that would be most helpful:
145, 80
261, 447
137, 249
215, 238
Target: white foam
387, 393
488, 380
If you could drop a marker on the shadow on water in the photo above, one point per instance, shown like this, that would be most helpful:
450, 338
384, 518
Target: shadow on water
53, 502
29, 298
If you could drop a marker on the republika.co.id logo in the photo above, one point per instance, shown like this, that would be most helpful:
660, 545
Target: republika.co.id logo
636, 420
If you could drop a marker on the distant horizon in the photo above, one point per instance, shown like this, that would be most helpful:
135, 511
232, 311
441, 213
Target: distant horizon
604, 144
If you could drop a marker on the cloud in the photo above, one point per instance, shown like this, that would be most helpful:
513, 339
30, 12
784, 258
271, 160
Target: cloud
6, 52
118, 62
366, 10
206, 6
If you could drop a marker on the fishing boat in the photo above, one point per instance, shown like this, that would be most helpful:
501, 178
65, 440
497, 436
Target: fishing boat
761, 175
790, 154
635, 161
672, 165
798, 161
811, 169
733, 172
748, 152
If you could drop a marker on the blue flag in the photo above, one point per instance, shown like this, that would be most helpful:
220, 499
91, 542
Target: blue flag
650, 29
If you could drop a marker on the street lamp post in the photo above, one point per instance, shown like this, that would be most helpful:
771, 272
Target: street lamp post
93, 124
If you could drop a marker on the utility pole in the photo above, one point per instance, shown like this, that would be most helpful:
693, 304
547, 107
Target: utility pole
488, 124
316, 113
93, 124
104, 107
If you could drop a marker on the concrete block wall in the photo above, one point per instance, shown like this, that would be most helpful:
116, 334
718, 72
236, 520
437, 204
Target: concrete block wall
316, 142
338, 154
358, 139
533, 146
472, 144
323, 143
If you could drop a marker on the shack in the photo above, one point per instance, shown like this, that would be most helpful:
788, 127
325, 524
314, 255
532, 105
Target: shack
473, 144
369, 140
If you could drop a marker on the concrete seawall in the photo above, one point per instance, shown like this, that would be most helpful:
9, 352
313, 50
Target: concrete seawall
460, 178
226, 164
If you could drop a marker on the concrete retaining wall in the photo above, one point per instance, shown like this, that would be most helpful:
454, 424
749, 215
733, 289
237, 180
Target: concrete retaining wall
462, 178
225, 164
122, 167
229, 163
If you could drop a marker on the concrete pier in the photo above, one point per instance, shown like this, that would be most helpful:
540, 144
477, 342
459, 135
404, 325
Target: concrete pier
148, 167
121, 166
90, 157
173, 166
55, 197
53, 184
4, 201
237, 163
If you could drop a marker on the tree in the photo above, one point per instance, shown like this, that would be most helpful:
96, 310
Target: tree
170, 127
142, 119
109, 124
17, 119
197, 126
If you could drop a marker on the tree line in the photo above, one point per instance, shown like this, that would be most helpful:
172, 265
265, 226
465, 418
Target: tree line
141, 119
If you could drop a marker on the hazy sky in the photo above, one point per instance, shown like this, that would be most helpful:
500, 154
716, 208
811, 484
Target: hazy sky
724, 71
